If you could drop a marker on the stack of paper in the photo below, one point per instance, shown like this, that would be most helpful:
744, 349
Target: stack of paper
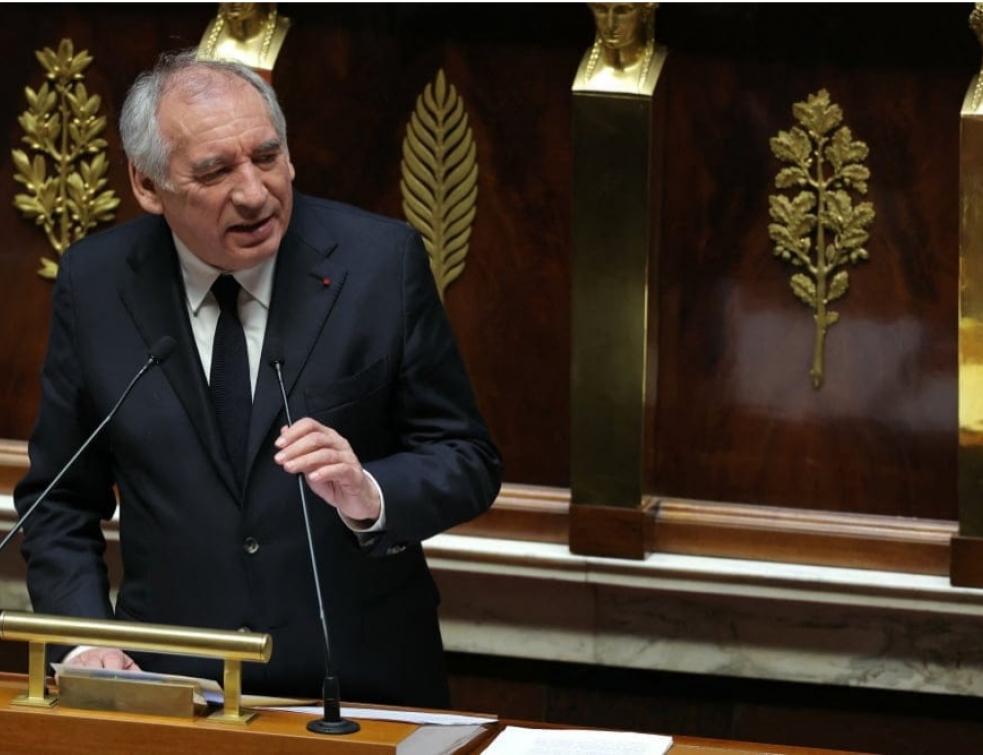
518, 741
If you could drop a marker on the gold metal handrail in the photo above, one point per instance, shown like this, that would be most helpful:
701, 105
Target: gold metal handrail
39, 630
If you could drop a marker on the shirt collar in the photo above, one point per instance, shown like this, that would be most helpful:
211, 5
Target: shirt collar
199, 276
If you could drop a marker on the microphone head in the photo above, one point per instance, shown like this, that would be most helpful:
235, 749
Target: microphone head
274, 349
163, 347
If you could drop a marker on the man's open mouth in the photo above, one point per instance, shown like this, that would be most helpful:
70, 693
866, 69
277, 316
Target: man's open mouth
250, 227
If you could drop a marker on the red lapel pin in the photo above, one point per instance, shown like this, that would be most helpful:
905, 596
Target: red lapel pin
325, 281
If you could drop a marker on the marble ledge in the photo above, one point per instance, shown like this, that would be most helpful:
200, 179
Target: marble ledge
727, 617
701, 575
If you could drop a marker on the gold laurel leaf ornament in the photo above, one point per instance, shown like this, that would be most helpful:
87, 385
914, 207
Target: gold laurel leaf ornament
820, 230
440, 178
62, 124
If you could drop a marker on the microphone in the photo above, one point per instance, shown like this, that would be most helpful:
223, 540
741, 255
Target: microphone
159, 352
332, 723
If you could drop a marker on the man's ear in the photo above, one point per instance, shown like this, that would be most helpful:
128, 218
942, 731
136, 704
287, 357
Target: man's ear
145, 191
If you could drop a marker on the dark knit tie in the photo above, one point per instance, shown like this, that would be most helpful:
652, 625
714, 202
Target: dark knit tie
229, 379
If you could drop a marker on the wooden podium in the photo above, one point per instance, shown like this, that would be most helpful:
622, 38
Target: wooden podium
59, 730
67, 731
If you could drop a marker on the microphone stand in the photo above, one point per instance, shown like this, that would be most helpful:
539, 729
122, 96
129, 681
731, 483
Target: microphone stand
332, 722
159, 352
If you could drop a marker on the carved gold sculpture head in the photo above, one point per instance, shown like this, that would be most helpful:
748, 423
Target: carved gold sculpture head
976, 21
244, 20
973, 102
623, 27
621, 59
249, 33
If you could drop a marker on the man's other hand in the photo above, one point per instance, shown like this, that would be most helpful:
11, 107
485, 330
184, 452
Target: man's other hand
330, 467
111, 658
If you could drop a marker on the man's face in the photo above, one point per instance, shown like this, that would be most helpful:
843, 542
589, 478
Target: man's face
230, 195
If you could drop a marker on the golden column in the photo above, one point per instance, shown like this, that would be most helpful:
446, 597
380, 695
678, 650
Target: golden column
966, 566
617, 144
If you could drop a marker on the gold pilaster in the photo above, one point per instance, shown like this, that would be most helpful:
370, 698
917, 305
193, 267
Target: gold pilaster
967, 547
617, 148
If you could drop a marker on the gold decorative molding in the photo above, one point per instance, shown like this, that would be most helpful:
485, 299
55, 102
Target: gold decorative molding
247, 33
440, 178
823, 207
61, 123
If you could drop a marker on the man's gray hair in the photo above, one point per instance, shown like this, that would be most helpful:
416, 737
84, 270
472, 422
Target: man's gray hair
139, 124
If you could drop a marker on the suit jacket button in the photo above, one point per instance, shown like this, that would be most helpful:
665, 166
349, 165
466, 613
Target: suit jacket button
250, 545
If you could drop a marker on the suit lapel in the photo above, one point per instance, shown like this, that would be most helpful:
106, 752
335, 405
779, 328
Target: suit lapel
306, 286
154, 296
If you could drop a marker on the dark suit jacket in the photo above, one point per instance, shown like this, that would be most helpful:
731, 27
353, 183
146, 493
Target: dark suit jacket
368, 351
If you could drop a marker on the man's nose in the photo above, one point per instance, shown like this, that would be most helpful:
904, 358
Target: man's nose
249, 191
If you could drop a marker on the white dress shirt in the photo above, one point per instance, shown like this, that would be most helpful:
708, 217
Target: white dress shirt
254, 308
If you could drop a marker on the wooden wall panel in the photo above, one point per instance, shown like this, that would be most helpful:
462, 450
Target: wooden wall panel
122, 38
513, 68
348, 77
736, 419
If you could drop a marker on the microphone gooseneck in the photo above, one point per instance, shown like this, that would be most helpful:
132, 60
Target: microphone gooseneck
332, 723
159, 352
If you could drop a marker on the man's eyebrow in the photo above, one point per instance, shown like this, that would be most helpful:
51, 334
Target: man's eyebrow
207, 165
270, 145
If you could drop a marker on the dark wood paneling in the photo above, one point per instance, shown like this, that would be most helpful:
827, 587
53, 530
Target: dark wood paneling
124, 39
898, 723
348, 77
511, 307
738, 419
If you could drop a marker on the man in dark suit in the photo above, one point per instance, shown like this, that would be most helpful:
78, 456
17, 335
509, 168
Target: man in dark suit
240, 270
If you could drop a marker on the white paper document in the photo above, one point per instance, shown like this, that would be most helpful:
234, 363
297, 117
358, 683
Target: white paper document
519, 741
385, 714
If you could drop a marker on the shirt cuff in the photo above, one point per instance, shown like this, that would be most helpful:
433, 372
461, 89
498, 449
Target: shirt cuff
358, 525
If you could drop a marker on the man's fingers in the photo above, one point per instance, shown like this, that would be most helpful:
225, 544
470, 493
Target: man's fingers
308, 462
297, 430
344, 474
111, 658
305, 444
317, 437
310, 431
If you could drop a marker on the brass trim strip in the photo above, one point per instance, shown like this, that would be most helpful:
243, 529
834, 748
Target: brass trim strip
161, 638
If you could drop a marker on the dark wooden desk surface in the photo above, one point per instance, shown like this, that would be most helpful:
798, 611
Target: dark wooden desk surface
62, 730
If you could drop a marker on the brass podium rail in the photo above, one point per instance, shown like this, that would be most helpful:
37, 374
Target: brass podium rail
39, 630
